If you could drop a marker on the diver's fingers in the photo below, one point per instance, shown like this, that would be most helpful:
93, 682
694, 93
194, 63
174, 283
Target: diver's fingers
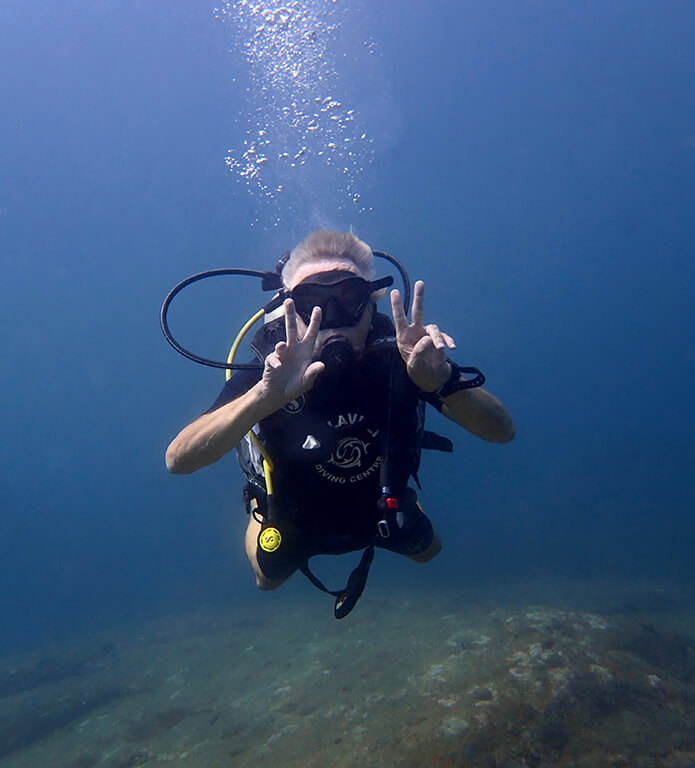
273, 361
418, 312
290, 321
399, 318
436, 335
427, 346
449, 340
312, 372
424, 344
314, 325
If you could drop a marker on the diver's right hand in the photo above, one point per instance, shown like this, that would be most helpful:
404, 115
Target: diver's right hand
290, 369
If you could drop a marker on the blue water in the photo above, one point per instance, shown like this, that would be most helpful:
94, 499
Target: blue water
533, 162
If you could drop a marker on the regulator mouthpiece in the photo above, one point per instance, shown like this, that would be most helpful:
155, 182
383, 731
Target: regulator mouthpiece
337, 354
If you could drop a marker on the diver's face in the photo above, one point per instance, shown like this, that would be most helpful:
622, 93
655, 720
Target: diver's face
356, 335
344, 298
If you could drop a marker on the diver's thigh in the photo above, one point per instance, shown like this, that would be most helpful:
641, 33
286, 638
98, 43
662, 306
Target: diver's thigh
251, 542
418, 539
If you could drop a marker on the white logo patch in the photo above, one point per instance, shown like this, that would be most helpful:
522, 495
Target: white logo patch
347, 420
349, 453
295, 406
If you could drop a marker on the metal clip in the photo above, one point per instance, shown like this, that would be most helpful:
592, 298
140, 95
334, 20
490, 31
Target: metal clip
383, 528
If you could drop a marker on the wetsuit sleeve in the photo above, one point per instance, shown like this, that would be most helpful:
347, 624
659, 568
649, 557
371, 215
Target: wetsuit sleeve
240, 382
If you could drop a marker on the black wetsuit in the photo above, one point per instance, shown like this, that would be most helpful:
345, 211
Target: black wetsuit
328, 447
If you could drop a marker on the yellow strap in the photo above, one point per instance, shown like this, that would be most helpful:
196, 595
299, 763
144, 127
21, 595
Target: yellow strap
267, 461
268, 473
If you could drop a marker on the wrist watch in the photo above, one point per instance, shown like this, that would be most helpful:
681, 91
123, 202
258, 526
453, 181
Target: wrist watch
455, 382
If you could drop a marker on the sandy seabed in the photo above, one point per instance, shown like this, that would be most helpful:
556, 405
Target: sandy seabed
605, 677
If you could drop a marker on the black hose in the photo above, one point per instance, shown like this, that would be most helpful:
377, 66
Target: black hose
177, 289
404, 277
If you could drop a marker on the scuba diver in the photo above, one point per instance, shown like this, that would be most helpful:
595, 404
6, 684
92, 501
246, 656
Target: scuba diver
328, 424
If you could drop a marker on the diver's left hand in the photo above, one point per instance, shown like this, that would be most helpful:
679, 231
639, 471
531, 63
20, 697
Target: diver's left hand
422, 347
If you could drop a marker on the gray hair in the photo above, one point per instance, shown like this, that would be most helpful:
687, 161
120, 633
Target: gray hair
325, 245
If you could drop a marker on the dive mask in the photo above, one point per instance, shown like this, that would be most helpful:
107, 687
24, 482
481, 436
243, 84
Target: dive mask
341, 295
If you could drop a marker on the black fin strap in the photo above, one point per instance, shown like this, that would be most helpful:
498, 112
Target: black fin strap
316, 581
346, 598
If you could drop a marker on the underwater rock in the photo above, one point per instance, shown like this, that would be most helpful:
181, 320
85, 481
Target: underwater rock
39, 672
664, 649
85, 760
487, 688
134, 760
27, 721
146, 728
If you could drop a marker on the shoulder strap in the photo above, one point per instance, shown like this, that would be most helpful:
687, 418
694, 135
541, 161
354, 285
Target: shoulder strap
267, 337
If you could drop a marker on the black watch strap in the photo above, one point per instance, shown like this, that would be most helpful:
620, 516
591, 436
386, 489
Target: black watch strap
456, 381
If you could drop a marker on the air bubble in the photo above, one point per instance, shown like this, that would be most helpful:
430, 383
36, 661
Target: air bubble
298, 111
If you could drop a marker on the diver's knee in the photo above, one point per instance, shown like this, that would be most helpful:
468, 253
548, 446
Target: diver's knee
264, 583
431, 552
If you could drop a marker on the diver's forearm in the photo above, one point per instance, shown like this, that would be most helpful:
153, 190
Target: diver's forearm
480, 413
214, 434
